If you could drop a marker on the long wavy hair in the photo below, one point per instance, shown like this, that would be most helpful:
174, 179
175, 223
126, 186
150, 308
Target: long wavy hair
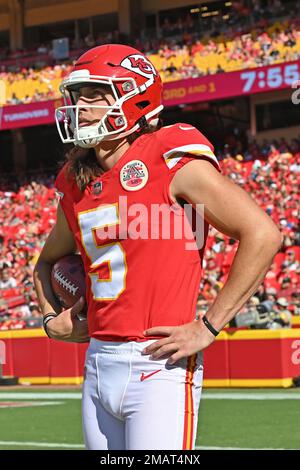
83, 165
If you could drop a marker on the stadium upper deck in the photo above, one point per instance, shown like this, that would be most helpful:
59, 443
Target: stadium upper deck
175, 59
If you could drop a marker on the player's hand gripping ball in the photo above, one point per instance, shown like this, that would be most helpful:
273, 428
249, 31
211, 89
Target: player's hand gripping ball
68, 280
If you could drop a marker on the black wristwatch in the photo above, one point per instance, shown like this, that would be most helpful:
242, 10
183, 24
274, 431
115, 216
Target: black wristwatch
209, 326
46, 319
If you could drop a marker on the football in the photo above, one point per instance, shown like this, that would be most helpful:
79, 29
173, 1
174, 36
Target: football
68, 280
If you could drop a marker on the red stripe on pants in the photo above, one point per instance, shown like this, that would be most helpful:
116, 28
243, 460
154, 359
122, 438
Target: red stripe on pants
188, 433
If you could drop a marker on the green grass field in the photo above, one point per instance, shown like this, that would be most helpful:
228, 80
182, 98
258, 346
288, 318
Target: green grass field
231, 418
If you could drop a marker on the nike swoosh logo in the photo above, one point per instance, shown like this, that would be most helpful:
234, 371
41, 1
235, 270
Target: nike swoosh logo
186, 128
144, 377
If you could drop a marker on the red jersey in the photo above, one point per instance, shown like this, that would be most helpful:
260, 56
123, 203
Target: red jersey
139, 272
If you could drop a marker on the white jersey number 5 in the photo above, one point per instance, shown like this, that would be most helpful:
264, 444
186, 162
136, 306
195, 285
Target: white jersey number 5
111, 253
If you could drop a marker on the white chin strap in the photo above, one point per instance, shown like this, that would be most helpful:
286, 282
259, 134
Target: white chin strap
85, 137
87, 144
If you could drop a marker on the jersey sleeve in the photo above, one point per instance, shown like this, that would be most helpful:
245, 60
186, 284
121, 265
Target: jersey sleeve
183, 143
64, 192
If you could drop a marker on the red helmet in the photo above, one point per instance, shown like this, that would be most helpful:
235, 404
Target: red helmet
135, 85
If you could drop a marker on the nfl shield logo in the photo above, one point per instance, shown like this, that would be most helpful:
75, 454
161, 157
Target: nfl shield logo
97, 188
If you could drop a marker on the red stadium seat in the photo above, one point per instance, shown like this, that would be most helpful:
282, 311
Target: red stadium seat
16, 301
8, 293
295, 249
278, 260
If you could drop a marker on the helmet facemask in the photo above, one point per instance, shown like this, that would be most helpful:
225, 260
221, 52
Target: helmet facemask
112, 126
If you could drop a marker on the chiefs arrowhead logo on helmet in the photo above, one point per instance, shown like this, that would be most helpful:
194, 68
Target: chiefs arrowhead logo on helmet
139, 64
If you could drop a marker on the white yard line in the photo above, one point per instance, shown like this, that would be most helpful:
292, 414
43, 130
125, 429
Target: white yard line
251, 396
239, 448
206, 396
41, 444
28, 404
81, 446
37, 396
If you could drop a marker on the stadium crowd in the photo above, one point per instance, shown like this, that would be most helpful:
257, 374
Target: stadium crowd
241, 17
27, 213
256, 33
180, 55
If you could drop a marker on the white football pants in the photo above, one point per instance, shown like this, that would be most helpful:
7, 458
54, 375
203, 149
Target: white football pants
132, 402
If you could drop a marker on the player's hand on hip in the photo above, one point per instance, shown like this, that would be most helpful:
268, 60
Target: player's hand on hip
67, 327
180, 341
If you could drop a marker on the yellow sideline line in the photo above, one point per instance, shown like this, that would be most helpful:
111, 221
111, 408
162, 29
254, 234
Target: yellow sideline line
30, 333
224, 335
264, 334
209, 383
248, 383
51, 380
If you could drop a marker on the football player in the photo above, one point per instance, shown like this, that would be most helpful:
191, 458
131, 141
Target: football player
143, 371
